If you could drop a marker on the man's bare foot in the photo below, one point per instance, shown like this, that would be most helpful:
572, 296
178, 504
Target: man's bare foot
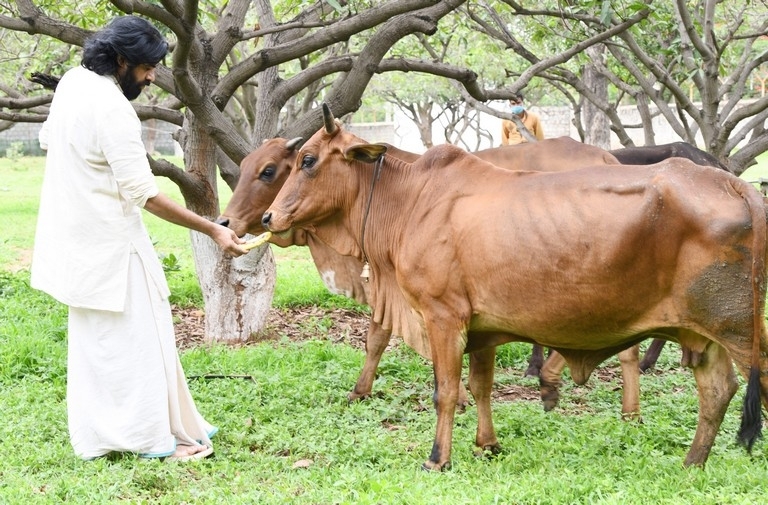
190, 452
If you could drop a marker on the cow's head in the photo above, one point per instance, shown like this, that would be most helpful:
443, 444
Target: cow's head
262, 173
322, 182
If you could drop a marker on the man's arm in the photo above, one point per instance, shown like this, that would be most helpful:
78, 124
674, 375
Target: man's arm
165, 208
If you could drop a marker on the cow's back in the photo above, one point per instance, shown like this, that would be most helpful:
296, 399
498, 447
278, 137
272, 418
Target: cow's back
549, 155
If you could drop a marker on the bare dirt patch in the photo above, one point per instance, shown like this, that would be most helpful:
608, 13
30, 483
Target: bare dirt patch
295, 324
340, 326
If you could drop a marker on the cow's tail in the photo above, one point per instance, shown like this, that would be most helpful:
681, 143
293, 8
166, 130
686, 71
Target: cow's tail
751, 415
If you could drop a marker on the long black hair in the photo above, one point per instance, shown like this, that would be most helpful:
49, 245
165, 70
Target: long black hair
131, 37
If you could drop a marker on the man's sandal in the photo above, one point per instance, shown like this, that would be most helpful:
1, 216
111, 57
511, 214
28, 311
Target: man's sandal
192, 457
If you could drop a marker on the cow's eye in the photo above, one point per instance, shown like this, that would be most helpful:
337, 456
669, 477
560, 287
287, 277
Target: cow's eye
308, 161
268, 173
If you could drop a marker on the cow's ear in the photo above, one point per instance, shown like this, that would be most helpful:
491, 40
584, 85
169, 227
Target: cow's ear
367, 153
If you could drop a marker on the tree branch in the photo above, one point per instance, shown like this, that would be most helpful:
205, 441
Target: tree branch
188, 185
25, 103
316, 40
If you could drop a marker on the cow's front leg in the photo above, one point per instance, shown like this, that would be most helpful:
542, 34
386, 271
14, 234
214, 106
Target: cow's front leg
375, 343
447, 350
481, 367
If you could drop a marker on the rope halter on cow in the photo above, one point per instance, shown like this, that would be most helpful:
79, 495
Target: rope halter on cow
366, 273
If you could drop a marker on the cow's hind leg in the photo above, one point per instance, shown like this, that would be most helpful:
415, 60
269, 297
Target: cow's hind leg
716, 383
652, 354
535, 362
550, 380
481, 368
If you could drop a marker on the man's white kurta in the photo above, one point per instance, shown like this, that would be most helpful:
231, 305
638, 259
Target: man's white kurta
96, 179
125, 387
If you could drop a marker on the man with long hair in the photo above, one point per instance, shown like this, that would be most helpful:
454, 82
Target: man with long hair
126, 390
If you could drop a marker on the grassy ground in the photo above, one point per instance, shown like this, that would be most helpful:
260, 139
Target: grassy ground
287, 434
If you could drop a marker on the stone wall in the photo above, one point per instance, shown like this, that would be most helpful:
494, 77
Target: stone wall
156, 134
557, 122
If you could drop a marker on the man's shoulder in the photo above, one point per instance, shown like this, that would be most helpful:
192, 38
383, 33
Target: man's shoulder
87, 81
83, 88
532, 117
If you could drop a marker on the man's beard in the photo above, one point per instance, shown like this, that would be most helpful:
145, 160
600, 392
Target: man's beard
131, 88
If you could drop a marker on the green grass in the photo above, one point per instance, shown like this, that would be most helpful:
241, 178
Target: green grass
295, 409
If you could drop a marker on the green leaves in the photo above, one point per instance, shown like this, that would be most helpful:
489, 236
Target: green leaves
606, 13
170, 263
336, 5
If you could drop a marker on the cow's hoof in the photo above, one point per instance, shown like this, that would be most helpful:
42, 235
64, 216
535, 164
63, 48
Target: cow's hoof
645, 367
487, 451
353, 397
634, 417
431, 466
549, 404
549, 397
532, 371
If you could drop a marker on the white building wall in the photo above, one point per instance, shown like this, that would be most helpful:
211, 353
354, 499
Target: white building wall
556, 121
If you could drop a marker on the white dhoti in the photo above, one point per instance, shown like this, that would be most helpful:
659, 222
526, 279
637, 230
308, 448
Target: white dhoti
126, 389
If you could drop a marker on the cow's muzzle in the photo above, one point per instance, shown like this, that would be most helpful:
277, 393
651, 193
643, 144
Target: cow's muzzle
266, 220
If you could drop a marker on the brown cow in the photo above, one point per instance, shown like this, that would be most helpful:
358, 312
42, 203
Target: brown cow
263, 173
558, 155
587, 262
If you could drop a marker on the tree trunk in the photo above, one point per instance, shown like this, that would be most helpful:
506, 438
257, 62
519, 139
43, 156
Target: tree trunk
237, 292
423, 115
646, 118
597, 132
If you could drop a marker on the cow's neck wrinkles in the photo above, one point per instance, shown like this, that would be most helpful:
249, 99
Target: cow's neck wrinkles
390, 195
390, 201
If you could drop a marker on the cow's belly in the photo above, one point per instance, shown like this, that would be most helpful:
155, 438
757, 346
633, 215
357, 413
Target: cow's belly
570, 325
580, 294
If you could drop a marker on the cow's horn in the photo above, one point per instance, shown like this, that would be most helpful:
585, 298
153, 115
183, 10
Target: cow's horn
330, 124
293, 143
